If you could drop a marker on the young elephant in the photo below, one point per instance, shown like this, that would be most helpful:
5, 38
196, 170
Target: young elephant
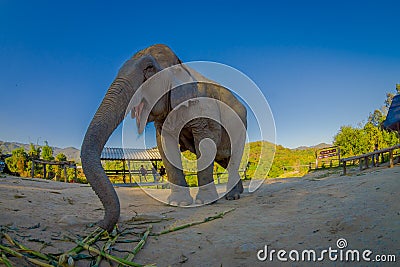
189, 112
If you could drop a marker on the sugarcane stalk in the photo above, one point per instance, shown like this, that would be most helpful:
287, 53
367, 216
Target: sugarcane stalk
139, 246
180, 227
5, 260
106, 248
90, 239
108, 256
19, 255
26, 249
9, 239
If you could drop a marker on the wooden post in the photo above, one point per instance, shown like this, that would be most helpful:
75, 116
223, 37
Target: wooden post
366, 163
361, 164
123, 175
375, 158
44, 170
75, 180
33, 168
130, 173
344, 167
65, 172
390, 158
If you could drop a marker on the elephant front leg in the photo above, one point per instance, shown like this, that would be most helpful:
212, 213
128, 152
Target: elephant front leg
207, 191
180, 194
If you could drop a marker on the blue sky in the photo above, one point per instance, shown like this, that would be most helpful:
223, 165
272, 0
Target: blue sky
320, 64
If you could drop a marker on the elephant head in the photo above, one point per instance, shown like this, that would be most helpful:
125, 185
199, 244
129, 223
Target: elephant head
110, 114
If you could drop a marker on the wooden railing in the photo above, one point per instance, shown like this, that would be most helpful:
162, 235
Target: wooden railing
374, 156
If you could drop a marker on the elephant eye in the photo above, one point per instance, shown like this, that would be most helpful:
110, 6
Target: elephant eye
148, 71
149, 67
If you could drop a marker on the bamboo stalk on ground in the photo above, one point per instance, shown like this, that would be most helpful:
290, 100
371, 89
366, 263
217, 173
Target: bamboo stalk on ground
106, 248
208, 219
90, 239
5, 260
139, 246
26, 249
108, 256
19, 255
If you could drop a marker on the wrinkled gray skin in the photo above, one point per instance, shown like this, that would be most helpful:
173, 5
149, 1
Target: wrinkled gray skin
112, 111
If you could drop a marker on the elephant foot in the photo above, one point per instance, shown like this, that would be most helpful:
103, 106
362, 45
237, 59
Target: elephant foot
180, 196
235, 191
207, 194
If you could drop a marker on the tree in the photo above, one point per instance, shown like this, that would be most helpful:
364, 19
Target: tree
18, 161
355, 141
60, 157
379, 115
47, 152
34, 153
350, 141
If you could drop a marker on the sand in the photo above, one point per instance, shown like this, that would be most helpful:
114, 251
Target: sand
306, 213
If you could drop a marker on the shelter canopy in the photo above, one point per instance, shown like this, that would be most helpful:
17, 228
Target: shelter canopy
130, 154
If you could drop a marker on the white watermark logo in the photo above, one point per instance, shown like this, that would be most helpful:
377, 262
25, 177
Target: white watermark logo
340, 253
193, 93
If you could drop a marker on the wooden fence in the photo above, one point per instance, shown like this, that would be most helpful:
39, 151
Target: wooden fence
373, 156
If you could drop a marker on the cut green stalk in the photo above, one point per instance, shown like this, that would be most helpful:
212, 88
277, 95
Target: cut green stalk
139, 246
26, 249
108, 256
5, 260
208, 219
106, 248
9, 239
90, 239
19, 255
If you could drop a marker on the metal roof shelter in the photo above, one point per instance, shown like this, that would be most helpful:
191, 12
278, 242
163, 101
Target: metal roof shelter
128, 155
133, 154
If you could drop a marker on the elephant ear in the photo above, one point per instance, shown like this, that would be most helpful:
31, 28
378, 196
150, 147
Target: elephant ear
184, 86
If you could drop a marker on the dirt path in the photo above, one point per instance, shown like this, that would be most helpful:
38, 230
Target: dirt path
289, 214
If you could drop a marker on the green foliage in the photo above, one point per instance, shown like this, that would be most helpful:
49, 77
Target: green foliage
362, 139
288, 162
285, 162
47, 152
34, 152
59, 170
61, 157
18, 161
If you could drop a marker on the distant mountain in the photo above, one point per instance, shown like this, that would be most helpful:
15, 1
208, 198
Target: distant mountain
71, 152
319, 146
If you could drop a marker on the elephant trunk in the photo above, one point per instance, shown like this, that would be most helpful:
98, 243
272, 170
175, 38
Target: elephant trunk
108, 116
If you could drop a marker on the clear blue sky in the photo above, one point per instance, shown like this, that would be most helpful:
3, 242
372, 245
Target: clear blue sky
320, 64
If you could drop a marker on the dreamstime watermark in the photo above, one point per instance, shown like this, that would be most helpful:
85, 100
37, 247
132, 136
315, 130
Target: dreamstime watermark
206, 90
340, 253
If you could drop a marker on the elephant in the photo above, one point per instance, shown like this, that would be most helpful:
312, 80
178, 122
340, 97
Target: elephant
155, 86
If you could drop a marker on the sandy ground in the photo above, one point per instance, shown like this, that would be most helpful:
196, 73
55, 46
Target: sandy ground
306, 213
